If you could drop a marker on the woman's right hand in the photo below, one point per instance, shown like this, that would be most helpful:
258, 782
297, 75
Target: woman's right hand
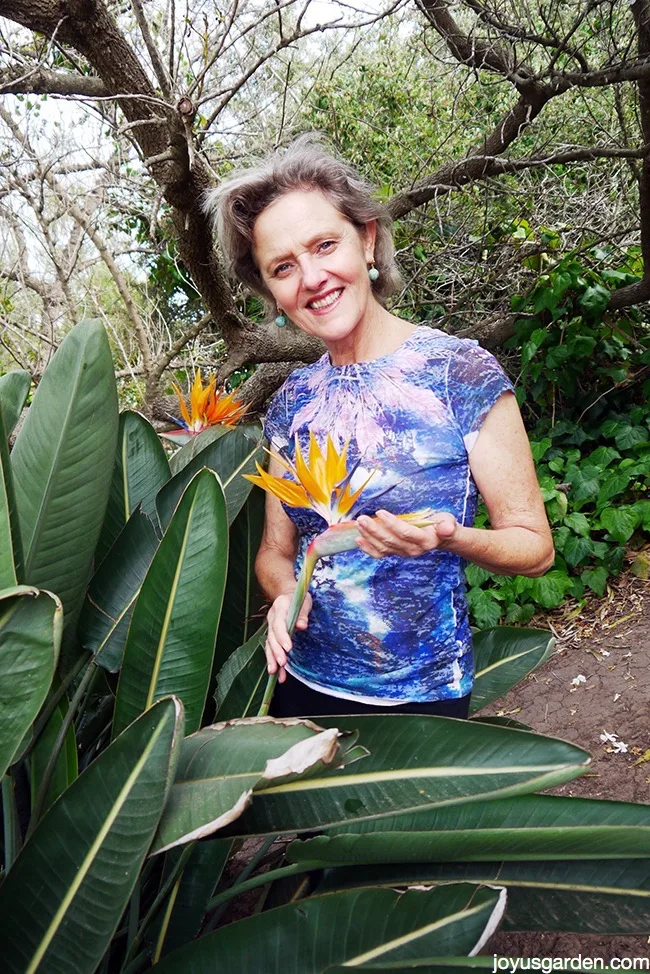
278, 641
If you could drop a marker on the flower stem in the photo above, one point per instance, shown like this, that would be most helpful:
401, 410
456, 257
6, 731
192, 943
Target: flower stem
302, 587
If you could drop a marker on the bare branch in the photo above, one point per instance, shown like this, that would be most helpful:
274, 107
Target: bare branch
42, 81
157, 63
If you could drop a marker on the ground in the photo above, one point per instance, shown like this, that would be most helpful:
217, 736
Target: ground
607, 644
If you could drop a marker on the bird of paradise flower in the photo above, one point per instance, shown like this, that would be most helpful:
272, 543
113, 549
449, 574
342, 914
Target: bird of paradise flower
321, 482
209, 406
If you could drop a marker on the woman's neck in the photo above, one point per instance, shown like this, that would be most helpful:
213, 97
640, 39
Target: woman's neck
376, 337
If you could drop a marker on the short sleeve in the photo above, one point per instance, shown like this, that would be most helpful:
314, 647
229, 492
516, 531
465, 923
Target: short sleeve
475, 381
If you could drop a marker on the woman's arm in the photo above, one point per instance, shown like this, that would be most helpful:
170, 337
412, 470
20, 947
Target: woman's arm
275, 573
519, 541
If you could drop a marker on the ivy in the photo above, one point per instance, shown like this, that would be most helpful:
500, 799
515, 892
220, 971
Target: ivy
583, 388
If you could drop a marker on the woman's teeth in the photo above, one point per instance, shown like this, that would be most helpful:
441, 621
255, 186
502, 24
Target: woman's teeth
326, 301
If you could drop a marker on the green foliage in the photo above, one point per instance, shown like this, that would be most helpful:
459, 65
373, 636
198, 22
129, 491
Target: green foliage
590, 366
74, 845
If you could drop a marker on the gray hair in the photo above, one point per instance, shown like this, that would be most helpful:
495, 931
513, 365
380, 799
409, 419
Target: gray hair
236, 203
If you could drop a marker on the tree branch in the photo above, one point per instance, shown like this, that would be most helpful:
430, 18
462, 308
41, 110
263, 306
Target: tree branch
41, 81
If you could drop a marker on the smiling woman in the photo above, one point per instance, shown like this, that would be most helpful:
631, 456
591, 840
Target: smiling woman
432, 418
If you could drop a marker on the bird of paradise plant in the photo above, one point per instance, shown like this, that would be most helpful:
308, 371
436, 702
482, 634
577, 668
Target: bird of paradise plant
209, 406
321, 483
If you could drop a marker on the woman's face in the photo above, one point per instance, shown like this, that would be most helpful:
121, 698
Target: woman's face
315, 264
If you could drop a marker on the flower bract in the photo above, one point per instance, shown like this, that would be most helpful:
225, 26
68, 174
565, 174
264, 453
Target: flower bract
321, 480
209, 406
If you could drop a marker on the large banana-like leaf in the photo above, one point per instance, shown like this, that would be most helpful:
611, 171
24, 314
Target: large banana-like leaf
66, 767
414, 762
503, 657
140, 470
193, 446
67, 890
243, 598
609, 896
222, 765
241, 682
231, 456
192, 892
115, 586
14, 389
62, 463
170, 643
522, 828
30, 637
361, 929
11, 548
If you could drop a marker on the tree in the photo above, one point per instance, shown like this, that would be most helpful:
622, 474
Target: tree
178, 91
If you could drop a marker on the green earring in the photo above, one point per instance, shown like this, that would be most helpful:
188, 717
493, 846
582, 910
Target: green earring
373, 273
280, 319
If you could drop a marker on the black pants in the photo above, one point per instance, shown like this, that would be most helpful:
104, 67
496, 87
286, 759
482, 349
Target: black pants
295, 699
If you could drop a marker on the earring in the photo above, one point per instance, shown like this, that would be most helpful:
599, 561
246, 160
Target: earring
280, 319
373, 273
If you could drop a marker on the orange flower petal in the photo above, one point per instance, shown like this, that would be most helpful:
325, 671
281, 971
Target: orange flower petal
183, 407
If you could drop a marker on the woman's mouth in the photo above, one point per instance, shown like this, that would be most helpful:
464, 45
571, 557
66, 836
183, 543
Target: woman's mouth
323, 305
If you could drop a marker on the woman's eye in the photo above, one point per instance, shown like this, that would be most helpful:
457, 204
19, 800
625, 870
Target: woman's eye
326, 245
280, 269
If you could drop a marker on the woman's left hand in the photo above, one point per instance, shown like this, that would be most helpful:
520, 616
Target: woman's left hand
386, 534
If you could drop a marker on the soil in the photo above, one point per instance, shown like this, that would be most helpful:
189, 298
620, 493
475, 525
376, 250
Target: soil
607, 644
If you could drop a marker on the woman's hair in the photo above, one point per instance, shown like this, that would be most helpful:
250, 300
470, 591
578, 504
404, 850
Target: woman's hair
306, 164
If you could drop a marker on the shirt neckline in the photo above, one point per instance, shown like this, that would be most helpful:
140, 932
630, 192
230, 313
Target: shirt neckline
374, 362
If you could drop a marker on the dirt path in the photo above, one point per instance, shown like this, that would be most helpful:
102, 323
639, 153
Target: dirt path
597, 682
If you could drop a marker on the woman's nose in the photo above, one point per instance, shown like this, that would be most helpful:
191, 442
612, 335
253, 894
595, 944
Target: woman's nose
313, 272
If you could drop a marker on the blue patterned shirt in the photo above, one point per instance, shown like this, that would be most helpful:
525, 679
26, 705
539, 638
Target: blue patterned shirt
391, 630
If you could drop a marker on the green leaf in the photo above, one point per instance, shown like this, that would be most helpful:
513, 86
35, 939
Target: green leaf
68, 888
539, 448
549, 590
30, 637
578, 523
414, 762
575, 895
195, 445
115, 586
612, 485
11, 548
194, 890
595, 299
603, 456
484, 608
241, 682
221, 766
476, 575
628, 437
503, 657
539, 827
361, 929
519, 615
596, 579
231, 456
66, 768
171, 639
620, 522
14, 389
243, 598
141, 469
62, 463
577, 549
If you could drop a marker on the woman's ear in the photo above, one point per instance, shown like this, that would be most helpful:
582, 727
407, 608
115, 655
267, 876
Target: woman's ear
369, 237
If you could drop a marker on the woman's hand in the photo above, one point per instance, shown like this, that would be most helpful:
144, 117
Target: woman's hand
278, 641
386, 534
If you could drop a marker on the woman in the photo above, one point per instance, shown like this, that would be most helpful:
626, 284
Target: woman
431, 418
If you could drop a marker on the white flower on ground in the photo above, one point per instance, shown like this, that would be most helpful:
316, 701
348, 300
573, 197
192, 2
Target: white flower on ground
607, 738
577, 680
